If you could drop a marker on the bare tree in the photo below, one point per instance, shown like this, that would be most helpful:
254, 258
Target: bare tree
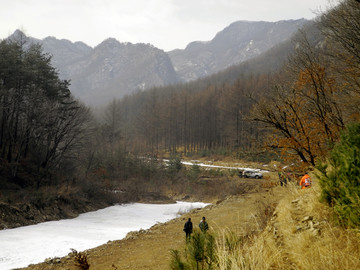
304, 110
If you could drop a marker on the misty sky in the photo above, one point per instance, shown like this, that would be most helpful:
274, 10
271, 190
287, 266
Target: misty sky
167, 24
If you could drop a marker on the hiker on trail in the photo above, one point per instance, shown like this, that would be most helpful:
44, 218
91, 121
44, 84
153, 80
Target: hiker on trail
305, 181
188, 227
203, 225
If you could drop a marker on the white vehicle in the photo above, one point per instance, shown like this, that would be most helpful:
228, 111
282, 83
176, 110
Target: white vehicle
252, 174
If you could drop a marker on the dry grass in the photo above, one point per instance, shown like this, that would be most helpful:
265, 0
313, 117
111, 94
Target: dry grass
298, 236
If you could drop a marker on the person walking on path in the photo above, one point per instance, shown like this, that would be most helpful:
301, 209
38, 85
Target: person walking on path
188, 227
305, 181
203, 225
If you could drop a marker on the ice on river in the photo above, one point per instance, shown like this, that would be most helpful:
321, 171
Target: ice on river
26, 245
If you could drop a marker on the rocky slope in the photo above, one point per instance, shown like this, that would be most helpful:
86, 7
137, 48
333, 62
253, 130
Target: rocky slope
110, 70
113, 69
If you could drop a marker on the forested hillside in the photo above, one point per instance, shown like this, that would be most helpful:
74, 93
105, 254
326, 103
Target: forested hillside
300, 104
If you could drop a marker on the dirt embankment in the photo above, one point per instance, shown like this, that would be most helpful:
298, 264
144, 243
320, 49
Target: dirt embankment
22, 214
150, 249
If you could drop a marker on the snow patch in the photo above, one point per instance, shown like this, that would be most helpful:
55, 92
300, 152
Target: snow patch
195, 162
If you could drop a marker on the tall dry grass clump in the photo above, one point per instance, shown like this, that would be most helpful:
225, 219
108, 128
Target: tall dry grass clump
299, 235
80, 260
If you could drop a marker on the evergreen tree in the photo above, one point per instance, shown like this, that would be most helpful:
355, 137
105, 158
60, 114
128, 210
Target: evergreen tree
340, 177
174, 165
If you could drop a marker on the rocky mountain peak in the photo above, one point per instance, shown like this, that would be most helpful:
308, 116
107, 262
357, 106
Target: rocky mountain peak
109, 44
18, 35
113, 69
236, 43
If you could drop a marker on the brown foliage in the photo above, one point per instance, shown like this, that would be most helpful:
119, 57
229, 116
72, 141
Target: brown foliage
304, 112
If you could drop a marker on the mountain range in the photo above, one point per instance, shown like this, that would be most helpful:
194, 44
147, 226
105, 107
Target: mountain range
113, 69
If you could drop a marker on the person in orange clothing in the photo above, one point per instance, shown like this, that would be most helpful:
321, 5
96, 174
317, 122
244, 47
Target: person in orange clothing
305, 181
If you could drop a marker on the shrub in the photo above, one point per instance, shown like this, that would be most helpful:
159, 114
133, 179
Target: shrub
174, 165
340, 178
194, 172
199, 253
216, 172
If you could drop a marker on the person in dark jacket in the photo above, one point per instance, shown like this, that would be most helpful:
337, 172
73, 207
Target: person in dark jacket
188, 227
203, 225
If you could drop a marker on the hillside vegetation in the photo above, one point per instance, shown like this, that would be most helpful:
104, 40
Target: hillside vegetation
300, 235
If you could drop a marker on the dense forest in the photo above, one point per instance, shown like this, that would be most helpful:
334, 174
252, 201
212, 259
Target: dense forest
295, 109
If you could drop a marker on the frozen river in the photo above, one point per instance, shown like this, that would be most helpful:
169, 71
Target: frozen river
26, 245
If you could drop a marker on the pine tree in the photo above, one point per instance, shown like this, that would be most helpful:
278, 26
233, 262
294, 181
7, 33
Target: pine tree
340, 178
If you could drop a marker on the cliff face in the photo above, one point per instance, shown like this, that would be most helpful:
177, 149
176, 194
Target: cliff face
110, 70
114, 69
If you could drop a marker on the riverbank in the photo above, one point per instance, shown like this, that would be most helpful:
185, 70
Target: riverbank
150, 249
50, 204
14, 215
23, 214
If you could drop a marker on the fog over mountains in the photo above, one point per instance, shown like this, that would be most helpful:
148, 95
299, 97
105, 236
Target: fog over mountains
114, 69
